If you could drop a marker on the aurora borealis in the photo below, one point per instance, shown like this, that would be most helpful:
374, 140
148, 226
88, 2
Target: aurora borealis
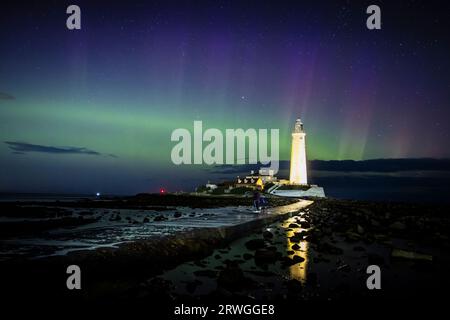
137, 70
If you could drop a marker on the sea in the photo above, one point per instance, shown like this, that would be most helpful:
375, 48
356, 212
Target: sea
383, 188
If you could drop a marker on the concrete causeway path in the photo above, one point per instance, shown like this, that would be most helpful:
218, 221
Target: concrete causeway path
241, 227
231, 216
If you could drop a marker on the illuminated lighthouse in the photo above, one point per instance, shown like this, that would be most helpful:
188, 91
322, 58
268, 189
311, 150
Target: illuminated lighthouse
298, 155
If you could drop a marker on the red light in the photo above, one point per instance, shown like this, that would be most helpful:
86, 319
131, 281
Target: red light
162, 191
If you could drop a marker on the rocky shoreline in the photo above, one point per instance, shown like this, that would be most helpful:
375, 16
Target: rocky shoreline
319, 253
322, 254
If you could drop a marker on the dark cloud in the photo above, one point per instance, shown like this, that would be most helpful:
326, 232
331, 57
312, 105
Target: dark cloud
378, 165
382, 165
244, 168
23, 147
5, 96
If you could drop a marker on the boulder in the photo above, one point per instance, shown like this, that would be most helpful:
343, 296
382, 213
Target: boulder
344, 268
177, 214
255, 244
298, 259
399, 226
267, 235
266, 255
359, 229
411, 255
287, 262
305, 225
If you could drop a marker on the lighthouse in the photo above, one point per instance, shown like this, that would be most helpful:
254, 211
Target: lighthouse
298, 173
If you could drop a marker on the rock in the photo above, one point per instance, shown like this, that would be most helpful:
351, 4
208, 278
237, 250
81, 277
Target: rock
397, 226
359, 229
146, 220
255, 244
298, 236
295, 247
352, 236
289, 252
293, 225
381, 237
218, 256
305, 225
159, 218
177, 214
267, 235
298, 259
344, 267
287, 262
266, 255
312, 237
398, 253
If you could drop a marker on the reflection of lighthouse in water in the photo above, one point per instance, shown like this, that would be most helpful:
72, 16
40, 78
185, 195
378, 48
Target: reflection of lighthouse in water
298, 173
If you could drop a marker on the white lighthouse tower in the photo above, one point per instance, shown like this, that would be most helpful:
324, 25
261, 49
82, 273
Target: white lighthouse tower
298, 173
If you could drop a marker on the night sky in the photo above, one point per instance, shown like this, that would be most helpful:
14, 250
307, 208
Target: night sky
93, 109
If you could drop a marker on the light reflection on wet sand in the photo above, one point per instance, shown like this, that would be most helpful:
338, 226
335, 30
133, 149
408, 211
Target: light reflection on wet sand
298, 271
